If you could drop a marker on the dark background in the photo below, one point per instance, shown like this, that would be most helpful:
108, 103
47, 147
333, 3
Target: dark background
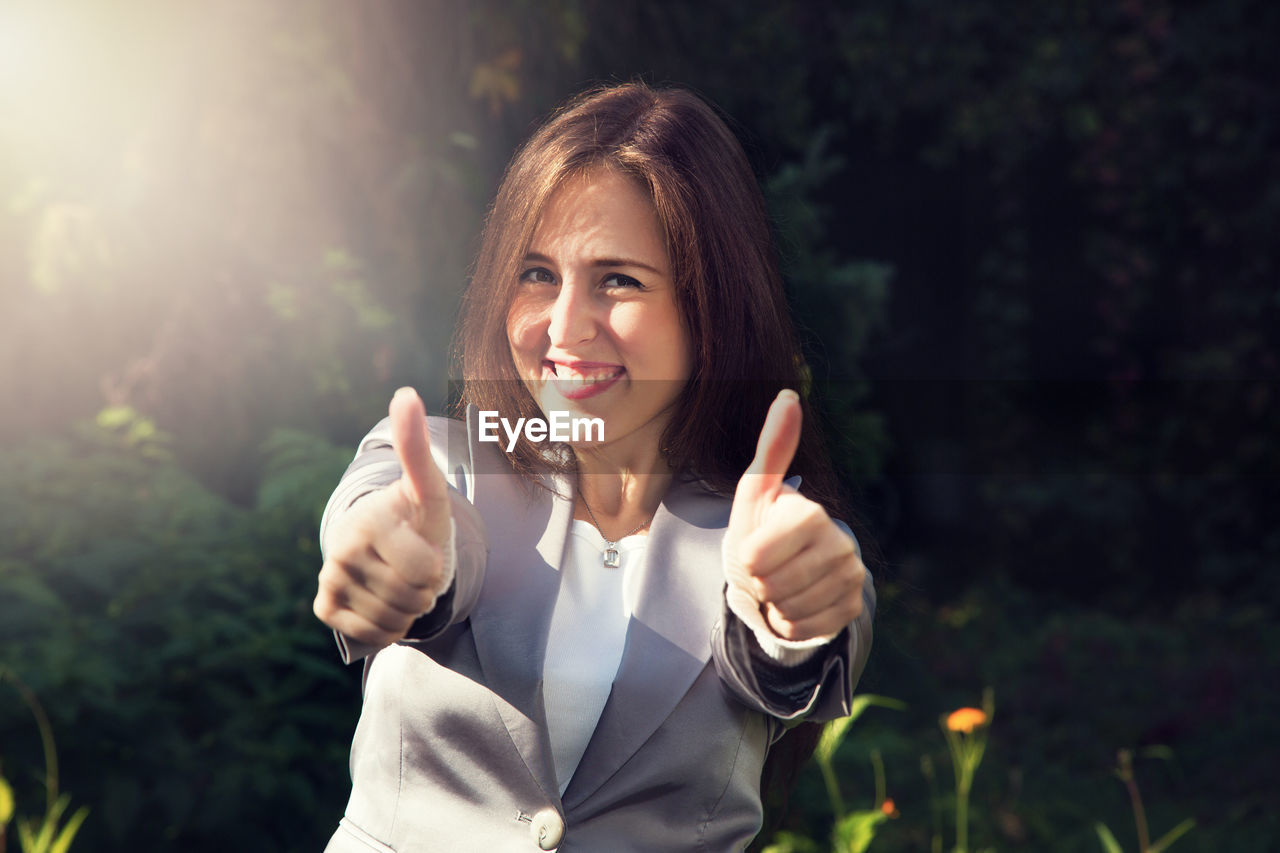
1033, 249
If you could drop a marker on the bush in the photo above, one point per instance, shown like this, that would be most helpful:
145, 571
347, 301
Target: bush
192, 693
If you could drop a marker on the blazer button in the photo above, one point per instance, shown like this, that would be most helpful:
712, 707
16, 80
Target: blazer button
547, 828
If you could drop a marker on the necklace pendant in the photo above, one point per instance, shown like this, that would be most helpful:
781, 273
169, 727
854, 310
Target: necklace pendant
611, 555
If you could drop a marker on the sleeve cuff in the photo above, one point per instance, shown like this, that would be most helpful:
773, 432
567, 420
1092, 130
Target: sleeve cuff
776, 649
449, 563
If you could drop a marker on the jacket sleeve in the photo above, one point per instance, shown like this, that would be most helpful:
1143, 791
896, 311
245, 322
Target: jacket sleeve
819, 687
375, 467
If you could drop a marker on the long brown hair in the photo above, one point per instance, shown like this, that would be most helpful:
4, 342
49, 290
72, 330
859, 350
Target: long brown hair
728, 289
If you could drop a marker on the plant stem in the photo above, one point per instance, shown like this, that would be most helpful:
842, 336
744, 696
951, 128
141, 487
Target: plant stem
877, 764
46, 739
1135, 798
833, 789
962, 818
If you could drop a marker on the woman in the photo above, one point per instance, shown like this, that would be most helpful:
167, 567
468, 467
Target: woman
591, 644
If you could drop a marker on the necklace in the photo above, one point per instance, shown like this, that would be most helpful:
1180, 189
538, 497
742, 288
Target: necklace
610, 558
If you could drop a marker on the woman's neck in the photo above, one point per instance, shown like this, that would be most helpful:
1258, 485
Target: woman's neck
623, 495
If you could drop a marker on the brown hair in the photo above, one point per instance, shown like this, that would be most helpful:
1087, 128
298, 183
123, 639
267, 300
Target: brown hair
728, 289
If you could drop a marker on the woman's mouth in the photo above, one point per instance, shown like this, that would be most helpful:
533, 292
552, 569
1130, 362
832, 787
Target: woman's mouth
581, 379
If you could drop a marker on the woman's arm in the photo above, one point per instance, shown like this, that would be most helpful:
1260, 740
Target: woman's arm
799, 600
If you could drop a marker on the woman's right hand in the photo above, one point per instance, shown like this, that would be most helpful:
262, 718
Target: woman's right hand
384, 563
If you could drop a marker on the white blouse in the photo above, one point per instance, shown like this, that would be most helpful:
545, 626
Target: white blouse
584, 645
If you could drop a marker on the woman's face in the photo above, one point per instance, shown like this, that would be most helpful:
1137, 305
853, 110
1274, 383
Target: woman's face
594, 327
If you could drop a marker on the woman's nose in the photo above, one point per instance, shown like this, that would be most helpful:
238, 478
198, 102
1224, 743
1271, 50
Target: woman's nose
572, 316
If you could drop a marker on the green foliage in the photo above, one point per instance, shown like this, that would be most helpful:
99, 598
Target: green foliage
1108, 840
854, 832
791, 842
43, 835
6, 803
300, 472
171, 636
834, 732
1162, 843
1110, 845
1124, 772
46, 836
839, 301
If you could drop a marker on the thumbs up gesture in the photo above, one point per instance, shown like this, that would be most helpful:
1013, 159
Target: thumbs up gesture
782, 549
384, 565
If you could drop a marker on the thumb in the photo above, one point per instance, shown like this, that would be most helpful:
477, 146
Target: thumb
779, 438
413, 446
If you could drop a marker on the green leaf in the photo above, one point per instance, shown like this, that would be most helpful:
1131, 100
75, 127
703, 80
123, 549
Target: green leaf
26, 839
300, 471
832, 734
115, 417
865, 700
854, 833
1173, 835
835, 731
6, 803
63, 841
1108, 840
1159, 751
790, 842
45, 840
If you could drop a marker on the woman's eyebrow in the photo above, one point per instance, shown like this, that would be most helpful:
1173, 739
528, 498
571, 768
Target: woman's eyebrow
625, 262
539, 258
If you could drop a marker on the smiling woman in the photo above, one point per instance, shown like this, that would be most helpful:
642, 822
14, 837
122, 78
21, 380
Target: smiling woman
595, 645
683, 164
594, 327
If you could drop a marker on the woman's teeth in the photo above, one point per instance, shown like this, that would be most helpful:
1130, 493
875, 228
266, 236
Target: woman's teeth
578, 378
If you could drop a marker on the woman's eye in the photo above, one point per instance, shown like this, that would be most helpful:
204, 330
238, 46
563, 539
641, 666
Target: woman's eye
538, 275
619, 280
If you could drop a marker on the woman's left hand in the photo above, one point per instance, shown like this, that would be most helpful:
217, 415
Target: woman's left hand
782, 549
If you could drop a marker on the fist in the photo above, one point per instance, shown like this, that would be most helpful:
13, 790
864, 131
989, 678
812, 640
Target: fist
384, 563
782, 549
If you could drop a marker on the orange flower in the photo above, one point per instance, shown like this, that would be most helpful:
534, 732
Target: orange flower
966, 720
889, 808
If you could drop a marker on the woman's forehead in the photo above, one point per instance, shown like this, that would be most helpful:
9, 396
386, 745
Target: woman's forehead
600, 214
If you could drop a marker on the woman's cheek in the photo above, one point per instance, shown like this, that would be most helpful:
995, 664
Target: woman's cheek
525, 331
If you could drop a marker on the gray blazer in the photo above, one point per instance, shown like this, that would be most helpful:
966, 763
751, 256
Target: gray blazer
451, 752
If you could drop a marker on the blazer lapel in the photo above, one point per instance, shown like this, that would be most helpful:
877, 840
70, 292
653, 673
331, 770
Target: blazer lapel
522, 579
681, 595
